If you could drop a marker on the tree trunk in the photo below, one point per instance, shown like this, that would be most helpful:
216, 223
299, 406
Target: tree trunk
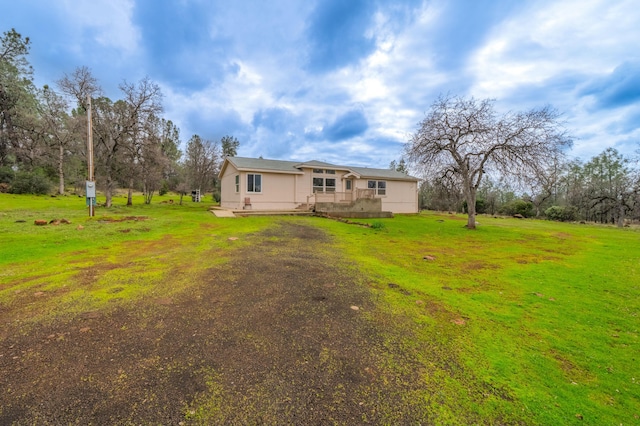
620, 221
130, 193
61, 169
108, 190
471, 209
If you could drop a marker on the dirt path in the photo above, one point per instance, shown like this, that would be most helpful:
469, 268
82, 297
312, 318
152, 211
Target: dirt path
272, 338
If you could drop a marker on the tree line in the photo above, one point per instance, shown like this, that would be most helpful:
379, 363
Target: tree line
477, 161
43, 135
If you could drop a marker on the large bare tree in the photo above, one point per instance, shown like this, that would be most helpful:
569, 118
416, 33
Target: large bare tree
465, 138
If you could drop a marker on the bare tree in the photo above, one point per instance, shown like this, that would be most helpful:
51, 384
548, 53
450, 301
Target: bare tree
59, 130
464, 138
80, 85
202, 161
119, 126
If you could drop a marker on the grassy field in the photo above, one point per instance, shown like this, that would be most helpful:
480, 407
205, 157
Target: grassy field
526, 321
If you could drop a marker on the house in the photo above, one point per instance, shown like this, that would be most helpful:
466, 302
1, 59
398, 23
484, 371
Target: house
258, 184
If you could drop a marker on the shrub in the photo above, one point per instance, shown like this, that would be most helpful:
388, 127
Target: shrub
164, 188
6, 175
30, 183
377, 225
481, 206
561, 214
521, 207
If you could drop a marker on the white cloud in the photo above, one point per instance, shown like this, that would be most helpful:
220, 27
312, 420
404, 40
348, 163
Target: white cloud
544, 41
110, 19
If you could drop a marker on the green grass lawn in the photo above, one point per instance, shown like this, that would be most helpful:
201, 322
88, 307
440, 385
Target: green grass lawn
520, 321
536, 319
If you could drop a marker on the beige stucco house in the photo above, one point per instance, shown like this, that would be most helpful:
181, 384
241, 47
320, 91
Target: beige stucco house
258, 184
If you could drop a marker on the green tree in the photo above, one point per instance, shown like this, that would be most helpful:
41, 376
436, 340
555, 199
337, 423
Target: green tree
610, 186
229, 146
17, 98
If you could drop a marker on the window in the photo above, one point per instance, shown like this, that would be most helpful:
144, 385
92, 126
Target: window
348, 184
324, 185
330, 172
318, 171
254, 183
330, 185
237, 183
379, 186
318, 184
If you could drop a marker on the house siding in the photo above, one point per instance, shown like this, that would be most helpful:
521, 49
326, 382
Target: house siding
229, 198
400, 197
286, 190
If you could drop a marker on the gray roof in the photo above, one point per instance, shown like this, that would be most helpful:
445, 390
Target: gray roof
381, 173
244, 163
294, 167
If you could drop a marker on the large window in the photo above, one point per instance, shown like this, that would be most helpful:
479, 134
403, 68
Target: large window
379, 186
254, 183
324, 185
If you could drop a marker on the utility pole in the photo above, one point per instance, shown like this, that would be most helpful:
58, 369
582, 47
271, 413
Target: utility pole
91, 185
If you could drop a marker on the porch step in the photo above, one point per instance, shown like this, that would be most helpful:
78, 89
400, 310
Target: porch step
246, 213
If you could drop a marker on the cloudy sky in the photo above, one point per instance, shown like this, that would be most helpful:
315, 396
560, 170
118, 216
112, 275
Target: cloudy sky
347, 81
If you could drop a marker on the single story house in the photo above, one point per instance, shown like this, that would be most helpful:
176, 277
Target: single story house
258, 184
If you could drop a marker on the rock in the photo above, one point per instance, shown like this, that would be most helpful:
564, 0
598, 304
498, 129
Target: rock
392, 285
40, 222
518, 216
232, 238
65, 221
355, 308
429, 258
54, 222
458, 321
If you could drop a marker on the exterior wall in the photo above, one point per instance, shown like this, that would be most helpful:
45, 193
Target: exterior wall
283, 191
229, 199
400, 197
277, 192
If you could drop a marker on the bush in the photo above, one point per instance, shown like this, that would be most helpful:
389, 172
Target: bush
481, 206
377, 225
561, 214
30, 183
514, 207
6, 175
164, 188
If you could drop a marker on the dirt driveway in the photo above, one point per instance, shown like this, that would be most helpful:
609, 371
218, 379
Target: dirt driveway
284, 334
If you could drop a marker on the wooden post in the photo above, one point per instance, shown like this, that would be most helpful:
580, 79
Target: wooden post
90, 154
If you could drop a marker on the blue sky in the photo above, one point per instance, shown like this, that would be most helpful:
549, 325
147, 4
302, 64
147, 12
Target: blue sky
347, 81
